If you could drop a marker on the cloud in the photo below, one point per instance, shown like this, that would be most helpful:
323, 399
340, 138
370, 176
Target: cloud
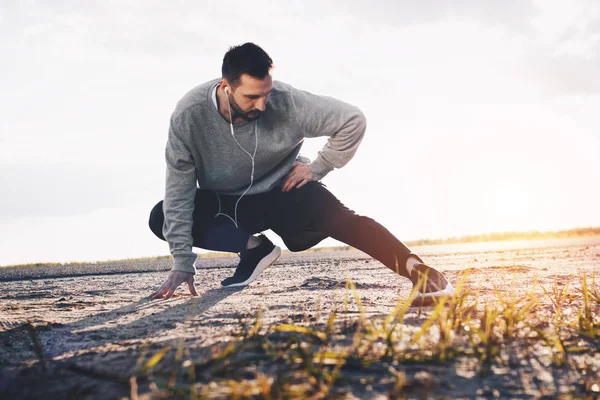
148, 28
566, 56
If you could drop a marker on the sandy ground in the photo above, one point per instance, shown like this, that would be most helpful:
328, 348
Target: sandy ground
91, 327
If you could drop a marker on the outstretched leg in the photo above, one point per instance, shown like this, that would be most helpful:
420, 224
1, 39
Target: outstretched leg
305, 216
374, 239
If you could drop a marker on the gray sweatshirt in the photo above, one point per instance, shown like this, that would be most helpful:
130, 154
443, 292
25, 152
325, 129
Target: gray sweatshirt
202, 153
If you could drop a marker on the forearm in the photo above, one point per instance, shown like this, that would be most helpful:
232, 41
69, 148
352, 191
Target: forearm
177, 229
178, 206
341, 147
344, 124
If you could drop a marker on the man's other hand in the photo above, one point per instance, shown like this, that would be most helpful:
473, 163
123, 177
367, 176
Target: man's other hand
175, 279
299, 175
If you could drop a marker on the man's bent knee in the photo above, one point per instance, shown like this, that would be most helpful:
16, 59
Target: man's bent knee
157, 219
303, 241
296, 248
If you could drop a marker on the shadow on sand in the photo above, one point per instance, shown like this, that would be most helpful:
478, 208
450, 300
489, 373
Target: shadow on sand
61, 345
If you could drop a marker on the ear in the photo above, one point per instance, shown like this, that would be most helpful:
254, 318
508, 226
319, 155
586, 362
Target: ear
225, 86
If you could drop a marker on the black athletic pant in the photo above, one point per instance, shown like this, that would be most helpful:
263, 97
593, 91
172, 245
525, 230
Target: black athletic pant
301, 217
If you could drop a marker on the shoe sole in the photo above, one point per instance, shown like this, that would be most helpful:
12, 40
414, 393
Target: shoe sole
431, 299
262, 265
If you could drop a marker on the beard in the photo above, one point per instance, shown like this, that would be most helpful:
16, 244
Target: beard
237, 112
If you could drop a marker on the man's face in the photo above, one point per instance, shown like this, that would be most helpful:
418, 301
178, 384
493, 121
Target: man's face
248, 99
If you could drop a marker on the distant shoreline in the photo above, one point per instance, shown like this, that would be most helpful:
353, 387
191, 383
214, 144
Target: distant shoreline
479, 238
511, 236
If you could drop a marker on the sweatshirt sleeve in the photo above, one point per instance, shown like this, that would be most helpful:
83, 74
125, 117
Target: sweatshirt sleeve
178, 206
345, 125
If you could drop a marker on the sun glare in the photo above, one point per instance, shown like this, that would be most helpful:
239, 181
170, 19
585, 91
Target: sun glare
509, 208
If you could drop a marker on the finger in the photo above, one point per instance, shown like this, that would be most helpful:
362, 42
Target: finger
302, 183
288, 183
160, 291
287, 180
171, 291
292, 177
192, 288
292, 184
164, 288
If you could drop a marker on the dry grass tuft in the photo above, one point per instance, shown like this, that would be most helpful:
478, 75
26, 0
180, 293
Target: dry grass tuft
333, 358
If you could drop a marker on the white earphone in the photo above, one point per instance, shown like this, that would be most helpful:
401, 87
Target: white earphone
226, 90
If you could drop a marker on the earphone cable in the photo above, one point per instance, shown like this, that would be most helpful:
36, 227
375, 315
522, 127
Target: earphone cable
234, 220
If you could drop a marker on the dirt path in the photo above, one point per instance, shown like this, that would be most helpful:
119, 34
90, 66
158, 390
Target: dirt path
92, 329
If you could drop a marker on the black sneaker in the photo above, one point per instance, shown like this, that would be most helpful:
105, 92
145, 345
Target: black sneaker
252, 263
432, 285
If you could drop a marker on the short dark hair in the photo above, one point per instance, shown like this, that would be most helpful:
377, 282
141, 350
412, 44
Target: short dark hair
247, 58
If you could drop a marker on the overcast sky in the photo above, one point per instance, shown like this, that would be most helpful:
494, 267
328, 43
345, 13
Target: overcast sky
481, 117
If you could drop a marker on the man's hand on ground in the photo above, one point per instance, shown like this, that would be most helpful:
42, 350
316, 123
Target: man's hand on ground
175, 279
299, 175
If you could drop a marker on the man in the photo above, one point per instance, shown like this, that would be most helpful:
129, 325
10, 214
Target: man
238, 138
